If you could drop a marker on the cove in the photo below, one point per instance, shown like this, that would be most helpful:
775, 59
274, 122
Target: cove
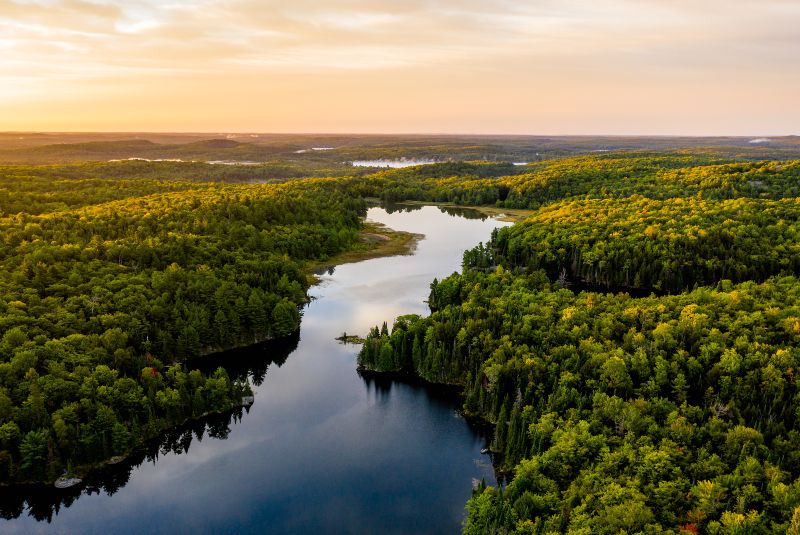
323, 449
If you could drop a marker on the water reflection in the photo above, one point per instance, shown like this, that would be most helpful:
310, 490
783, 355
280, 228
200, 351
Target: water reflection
393, 164
455, 211
250, 362
322, 450
466, 213
402, 208
43, 502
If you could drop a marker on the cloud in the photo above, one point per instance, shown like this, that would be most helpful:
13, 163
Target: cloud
356, 34
97, 47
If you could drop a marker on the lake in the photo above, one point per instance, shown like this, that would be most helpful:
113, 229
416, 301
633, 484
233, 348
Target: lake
322, 450
393, 164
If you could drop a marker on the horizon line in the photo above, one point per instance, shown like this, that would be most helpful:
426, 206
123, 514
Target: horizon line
411, 134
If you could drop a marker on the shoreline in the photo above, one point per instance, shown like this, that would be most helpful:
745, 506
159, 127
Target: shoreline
509, 215
113, 473
456, 390
376, 241
85, 474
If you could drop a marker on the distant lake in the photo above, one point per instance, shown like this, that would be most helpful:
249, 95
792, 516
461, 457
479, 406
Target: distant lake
179, 160
303, 151
394, 164
322, 450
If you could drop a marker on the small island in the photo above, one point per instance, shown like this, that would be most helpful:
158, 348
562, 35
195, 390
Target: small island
350, 339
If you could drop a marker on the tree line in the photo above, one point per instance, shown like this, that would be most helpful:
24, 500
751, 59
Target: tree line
103, 305
672, 409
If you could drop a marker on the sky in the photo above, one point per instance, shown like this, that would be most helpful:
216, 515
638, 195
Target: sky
670, 67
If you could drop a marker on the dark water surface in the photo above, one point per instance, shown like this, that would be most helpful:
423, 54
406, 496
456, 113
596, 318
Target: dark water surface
323, 450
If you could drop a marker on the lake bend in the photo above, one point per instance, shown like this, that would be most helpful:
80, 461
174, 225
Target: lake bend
323, 449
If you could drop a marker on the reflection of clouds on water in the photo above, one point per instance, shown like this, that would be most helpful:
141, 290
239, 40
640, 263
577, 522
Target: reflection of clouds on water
179, 160
303, 151
393, 164
319, 437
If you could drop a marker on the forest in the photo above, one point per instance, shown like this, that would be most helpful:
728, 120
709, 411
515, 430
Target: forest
110, 287
634, 341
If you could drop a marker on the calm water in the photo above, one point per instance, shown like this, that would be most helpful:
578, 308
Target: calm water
323, 450
394, 164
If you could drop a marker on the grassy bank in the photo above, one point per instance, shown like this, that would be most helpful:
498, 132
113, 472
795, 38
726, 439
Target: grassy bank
376, 241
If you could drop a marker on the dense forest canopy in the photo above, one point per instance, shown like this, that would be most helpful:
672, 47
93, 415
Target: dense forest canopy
633, 340
677, 412
653, 175
102, 300
668, 245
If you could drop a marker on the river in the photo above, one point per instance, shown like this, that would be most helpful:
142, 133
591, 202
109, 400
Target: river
322, 450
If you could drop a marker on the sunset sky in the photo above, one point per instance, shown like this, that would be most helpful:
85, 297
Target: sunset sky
469, 66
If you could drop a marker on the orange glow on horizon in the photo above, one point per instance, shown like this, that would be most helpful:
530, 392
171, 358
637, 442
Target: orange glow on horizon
606, 67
